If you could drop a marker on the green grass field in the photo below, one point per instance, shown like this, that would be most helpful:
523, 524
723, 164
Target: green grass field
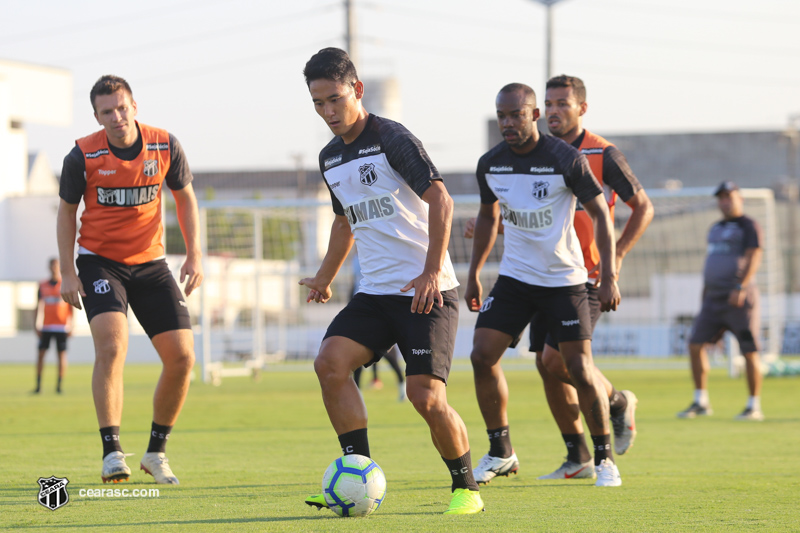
248, 452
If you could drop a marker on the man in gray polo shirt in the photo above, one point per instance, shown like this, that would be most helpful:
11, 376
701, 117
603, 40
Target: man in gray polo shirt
730, 301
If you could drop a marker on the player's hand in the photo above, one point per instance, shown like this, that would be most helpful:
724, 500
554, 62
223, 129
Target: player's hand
473, 295
72, 290
192, 272
39, 333
426, 292
469, 228
609, 296
317, 291
736, 298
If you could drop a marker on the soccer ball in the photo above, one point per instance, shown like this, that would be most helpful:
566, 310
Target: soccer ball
354, 485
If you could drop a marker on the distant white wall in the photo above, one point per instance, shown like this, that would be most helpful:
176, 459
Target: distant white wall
27, 236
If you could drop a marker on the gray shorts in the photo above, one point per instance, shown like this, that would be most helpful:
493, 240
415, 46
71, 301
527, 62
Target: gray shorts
717, 316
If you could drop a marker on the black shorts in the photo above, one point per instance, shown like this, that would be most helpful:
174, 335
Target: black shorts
149, 288
512, 304
59, 336
538, 331
380, 321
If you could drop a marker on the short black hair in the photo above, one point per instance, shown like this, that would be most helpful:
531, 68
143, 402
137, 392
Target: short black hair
562, 80
331, 64
526, 91
109, 84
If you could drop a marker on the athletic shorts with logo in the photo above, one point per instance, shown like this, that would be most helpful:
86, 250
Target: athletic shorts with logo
512, 304
380, 321
59, 336
717, 316
538, 332
149, 289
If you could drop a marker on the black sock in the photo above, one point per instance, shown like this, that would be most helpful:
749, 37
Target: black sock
355, 442
577, 450
602, 448
461, 470
110, 436
158, 438
617, 402
58, 386
38, 383
500, 442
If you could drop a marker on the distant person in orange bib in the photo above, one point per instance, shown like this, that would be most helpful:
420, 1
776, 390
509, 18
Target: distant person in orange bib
53, 322
119, 172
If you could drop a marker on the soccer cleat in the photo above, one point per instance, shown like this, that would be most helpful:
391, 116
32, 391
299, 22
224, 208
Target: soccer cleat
696, 410
318, 501
625, 425
607, 474
465, 501
376, 384
751, 414
114, 467
489, 467
157, 465
571, 470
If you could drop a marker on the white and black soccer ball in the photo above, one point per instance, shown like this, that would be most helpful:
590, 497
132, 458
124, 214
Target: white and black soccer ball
354, 485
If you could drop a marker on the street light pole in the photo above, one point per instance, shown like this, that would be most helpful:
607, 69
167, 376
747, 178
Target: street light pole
350, 31
549, 36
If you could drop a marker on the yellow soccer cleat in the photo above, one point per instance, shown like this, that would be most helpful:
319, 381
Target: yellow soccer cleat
465, 501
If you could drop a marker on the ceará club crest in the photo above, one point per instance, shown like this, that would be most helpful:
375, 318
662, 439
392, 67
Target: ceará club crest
540, 189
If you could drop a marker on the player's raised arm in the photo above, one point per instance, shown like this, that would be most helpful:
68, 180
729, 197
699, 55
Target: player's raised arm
339, 244
440, 222
604, 236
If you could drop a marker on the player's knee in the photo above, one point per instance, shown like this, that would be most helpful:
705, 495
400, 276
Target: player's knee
424, 400
580, 373
328, 367
482, 359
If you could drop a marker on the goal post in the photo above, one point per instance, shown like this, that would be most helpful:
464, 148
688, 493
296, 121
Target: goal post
253, 311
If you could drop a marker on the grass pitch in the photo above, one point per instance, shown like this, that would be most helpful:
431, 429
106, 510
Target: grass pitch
248, 452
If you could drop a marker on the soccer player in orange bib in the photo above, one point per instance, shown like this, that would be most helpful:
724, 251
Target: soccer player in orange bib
53, 322
119, 172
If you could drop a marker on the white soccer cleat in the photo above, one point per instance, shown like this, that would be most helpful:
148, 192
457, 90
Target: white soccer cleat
571, 470
751, 414
625, 425
490, 467
607, 474
114, 467
157, 465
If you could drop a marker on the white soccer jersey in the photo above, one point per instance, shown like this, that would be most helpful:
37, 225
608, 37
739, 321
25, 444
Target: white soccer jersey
537, 195
377, 181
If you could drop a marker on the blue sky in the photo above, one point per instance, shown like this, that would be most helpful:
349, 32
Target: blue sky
226, 76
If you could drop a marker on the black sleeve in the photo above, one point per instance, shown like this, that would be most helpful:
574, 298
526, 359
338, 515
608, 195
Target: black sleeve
72, 183
335, 203
580, 179
752, 233
408, 157
487, 195
618, 175
178, 176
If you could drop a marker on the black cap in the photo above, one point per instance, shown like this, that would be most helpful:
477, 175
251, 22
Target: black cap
726, 186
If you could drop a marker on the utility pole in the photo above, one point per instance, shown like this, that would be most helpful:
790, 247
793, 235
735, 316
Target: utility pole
350, 31
549, 36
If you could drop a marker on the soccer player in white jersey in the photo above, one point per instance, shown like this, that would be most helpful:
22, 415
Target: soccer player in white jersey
533, 182
389, 198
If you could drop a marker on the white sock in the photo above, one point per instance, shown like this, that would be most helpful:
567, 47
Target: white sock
701, 397
754, 403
